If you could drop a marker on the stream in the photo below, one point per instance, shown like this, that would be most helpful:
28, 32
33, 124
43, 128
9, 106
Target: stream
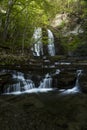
33, 82
43, 100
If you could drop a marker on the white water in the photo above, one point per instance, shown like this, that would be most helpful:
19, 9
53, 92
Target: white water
62, 63
13, 88
47, 82
57, 71
38, 45
76, 88
22, 84
51, 47
33, 90
27, 85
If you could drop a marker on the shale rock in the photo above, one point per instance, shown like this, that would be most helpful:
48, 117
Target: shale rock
83, 83
4, 79
64, 80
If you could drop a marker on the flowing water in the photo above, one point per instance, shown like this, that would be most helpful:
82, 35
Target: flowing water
24, 85
51, 47
38, 44
76, 88
45, 83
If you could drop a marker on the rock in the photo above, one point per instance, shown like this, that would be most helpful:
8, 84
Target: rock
64, 80
83, 83
4, 79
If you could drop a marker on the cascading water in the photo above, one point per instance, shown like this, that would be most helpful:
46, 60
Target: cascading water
51, 47
13, 88
47, 82
21, 84
76, 88
38, 45
29, 84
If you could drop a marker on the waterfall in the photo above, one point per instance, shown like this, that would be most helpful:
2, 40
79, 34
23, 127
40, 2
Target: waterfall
76, 88
47, 82
21, 85
29, 84
51, 47
13, 88
38, 45
19, 76
79, 73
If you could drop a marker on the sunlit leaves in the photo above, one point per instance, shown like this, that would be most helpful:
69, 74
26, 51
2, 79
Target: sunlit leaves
28, 14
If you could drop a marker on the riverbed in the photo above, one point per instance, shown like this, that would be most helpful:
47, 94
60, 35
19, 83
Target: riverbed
57, 107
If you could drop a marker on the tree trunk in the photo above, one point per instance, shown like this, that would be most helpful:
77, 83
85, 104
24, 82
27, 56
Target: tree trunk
7, 21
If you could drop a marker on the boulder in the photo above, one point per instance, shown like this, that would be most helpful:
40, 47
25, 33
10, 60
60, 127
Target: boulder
83, 83
64, 80
4, 79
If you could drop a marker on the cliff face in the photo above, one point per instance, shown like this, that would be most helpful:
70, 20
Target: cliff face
70, 32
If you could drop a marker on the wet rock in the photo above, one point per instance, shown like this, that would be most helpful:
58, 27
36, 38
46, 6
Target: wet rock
64, 80
36, 79
83, 83
4, 79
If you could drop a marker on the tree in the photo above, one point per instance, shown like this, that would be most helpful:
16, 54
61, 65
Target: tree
18, 18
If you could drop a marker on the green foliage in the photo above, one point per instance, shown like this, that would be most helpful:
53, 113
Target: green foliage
18, 19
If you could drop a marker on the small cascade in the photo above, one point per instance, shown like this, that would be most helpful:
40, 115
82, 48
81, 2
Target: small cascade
21, 84
26, 83
13, 88
57, 72
51, 47
76, 88
19, 76
47, 82
79, 73
29, 84
38, 45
